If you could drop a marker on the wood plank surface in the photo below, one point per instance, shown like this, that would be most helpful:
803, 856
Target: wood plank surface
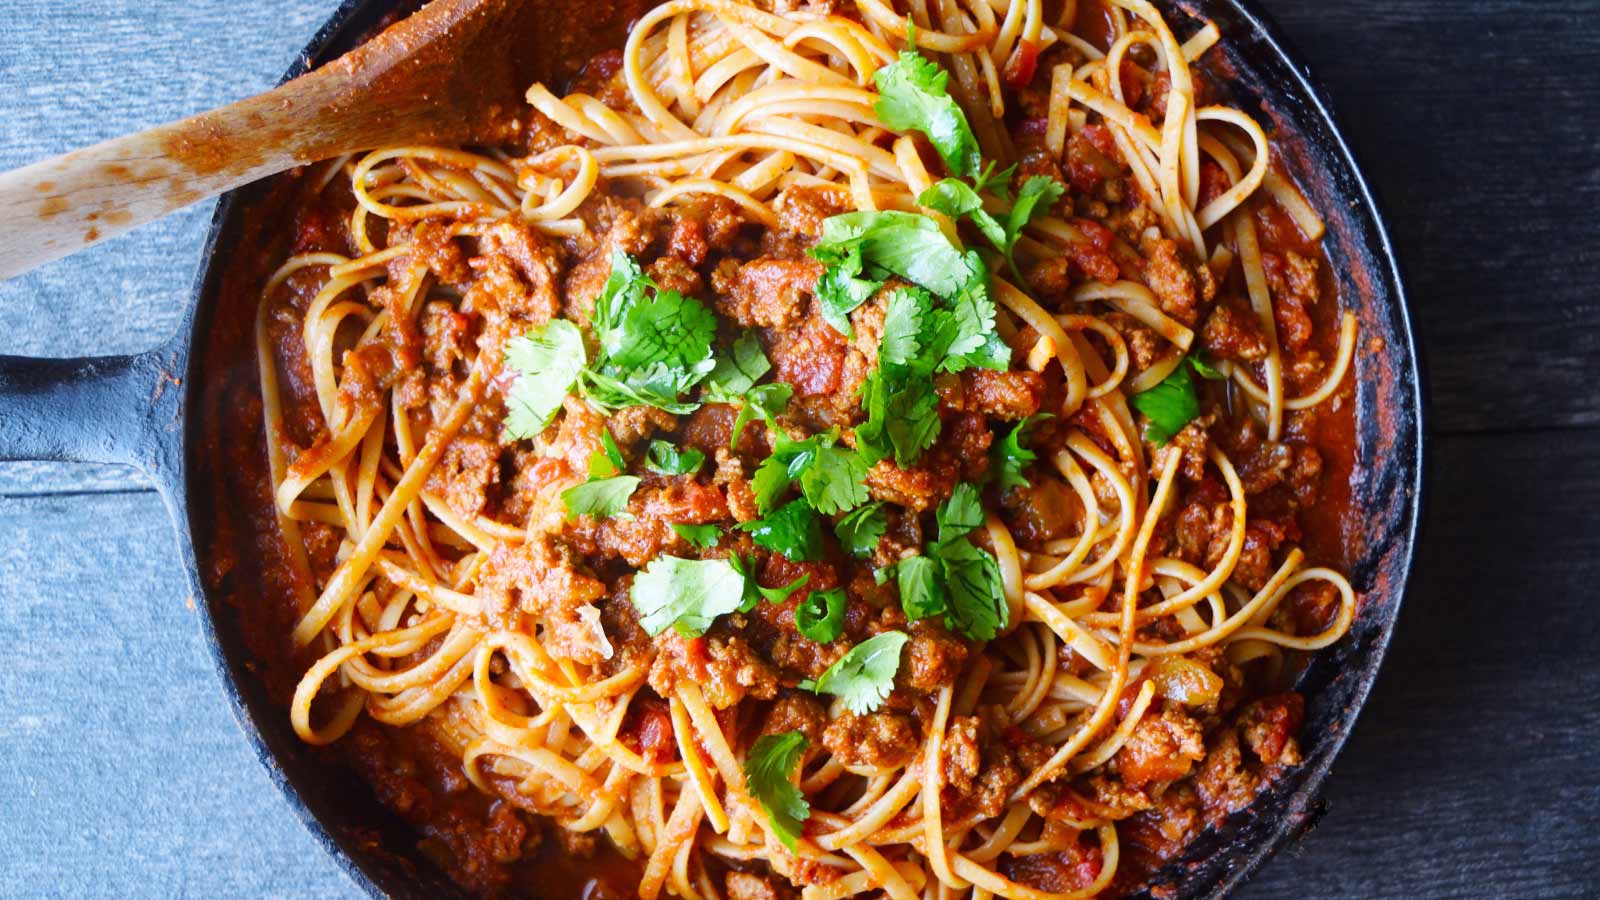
1473, 772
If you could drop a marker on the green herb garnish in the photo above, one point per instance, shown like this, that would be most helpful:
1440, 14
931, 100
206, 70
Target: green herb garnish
769, 777
864, 676
820, 616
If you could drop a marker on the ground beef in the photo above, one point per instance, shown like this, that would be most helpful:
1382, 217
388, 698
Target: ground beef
812, 359
1163, 747
464, 477
1144, 345
518, 272
543, 579
1269, 725
796, 711
1007, 396
647, 530
1223, 783
768, 293
802, 209
1231, 334
632, 424
1169, 278
1292, 281
959, 454
673, 274
727, 669
432, 245
876, 740
978, 771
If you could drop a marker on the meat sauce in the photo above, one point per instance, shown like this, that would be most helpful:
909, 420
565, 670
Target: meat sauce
1299, 495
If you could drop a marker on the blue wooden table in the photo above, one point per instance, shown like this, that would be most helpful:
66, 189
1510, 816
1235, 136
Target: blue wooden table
1475, 770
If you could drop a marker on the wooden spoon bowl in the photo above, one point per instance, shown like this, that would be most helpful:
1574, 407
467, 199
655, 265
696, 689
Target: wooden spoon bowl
453, 72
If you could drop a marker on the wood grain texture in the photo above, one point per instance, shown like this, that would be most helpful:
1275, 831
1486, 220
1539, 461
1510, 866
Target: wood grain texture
1475, 121
1473, 771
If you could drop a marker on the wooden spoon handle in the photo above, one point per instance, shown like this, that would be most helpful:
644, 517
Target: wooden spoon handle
61, 205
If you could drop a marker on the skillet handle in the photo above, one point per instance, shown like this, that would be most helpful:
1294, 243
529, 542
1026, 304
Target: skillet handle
97, 409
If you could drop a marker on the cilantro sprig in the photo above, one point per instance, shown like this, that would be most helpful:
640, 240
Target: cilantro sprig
1174, 402
955, 199
769, 777
954, 578
793, 530
912, 96
943, 322
606, 491
864, 676
687, 595
832, 478
858, 532
1010, 455
820, 616
654, 346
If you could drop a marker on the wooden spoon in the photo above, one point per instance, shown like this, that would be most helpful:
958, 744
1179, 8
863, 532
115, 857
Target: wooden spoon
453, 72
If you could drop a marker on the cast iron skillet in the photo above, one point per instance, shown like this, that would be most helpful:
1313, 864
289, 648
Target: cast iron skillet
156, 410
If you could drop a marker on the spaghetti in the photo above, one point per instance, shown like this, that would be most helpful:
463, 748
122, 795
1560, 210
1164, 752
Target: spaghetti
480, 581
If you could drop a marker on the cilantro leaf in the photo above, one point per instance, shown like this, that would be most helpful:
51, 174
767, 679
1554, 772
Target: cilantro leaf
665, 459
599, 497
903, 318
835, 481
547, 362
1008, 457
698, 535
1037, 194
685, 594
668, 329
864, 676
897, 243
754, 593
768, 776
764, 400
902, 416
608, 460
832, 479
955, 199
973, 340
861, 528
1168, 406
955, 579
733, 376
912, 96
820, 617
975, 591
659, 388
918, 578
959, 515
793, 530
1204, 369
841, 289
624, 287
